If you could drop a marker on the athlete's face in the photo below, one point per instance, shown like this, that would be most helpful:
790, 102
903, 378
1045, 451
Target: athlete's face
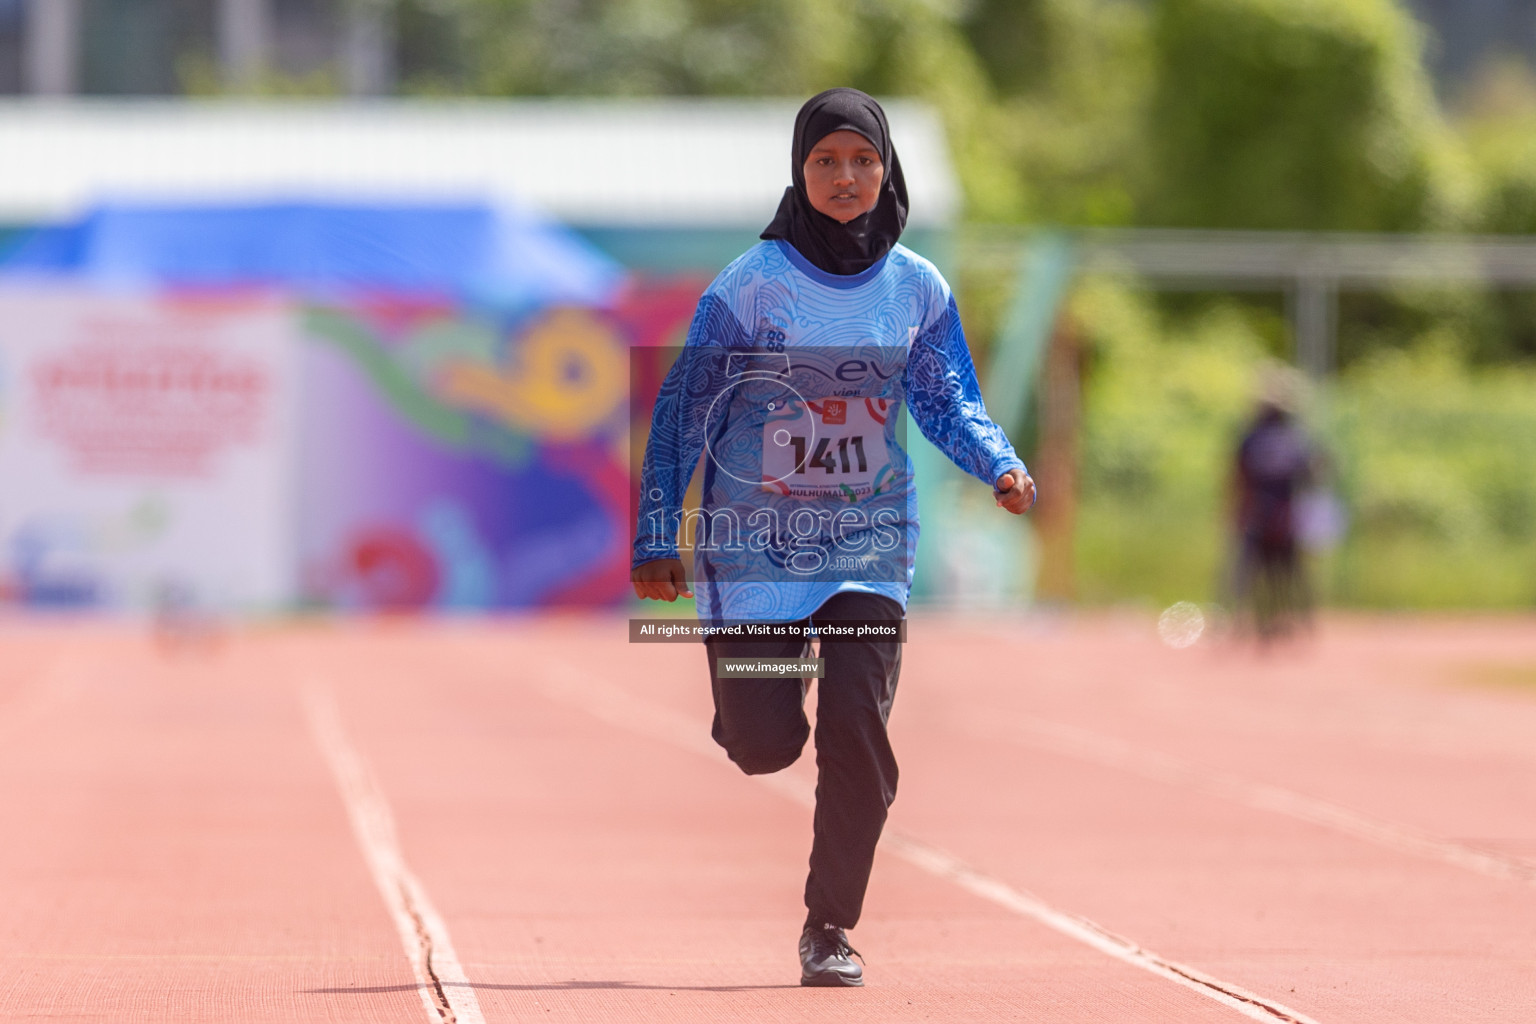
842, 176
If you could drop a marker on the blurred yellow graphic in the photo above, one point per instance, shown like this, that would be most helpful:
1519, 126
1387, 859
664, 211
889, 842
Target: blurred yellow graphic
569, 376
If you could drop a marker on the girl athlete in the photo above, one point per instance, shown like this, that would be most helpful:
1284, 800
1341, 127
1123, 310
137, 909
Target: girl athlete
791, 383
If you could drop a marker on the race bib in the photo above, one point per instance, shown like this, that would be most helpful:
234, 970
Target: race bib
828, 448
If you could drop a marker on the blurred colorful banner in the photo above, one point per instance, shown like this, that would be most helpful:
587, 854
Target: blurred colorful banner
450, 463
328, 407
145, 449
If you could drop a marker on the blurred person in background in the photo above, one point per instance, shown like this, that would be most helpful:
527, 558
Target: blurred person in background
1274, 467
829, 272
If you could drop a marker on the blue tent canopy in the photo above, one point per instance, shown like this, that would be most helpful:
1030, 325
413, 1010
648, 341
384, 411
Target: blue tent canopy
507, 258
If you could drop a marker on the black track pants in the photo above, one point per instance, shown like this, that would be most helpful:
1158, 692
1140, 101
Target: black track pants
761, 724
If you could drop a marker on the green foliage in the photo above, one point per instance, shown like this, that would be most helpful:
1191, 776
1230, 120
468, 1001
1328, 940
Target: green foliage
1507, 161
1162, 406
1164, 402
1498, 120
1440, 450
200, 75
652, 47
1439, 461
1290, 114
1042, 99
1073, 77
745, 48
1432, 458
1297, 114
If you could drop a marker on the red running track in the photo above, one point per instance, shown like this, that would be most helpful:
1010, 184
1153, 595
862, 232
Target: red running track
524, 819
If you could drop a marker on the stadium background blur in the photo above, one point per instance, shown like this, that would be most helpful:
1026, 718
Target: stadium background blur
1296, 135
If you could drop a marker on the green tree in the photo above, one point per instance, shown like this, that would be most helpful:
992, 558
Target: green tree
1498, 121
1072, 79
792, 48
652, 47
1297, 114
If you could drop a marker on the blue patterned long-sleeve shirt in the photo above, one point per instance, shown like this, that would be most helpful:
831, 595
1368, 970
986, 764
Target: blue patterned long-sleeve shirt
791, 387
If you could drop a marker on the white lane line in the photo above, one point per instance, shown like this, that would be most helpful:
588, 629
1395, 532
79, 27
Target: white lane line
946, 865
445, 990
1108, 752
621, 708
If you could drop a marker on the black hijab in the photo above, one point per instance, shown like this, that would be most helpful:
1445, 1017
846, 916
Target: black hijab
859, 244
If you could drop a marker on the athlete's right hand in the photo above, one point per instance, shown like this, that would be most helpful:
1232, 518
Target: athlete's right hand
661, 580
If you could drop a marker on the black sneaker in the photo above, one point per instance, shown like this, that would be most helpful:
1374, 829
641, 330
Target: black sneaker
825, 958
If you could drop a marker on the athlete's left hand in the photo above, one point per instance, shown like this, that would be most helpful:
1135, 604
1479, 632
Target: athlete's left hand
1015, 491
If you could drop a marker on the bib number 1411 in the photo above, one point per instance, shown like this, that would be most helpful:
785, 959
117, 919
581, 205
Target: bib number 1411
829, 459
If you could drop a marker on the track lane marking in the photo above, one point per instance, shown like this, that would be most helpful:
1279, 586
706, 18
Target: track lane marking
1109, 752
620, 708
445, 990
